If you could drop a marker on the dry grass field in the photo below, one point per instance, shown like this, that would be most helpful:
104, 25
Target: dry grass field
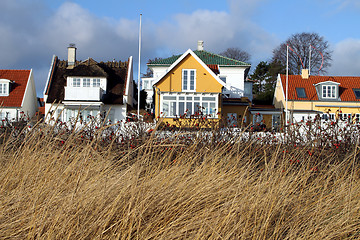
66, 185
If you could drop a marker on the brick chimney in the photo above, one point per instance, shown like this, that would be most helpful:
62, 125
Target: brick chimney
71, 56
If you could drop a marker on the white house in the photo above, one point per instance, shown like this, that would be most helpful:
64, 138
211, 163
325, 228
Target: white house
18, 99
87, 89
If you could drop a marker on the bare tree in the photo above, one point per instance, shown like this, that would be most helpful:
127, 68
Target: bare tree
301, 43
237, 54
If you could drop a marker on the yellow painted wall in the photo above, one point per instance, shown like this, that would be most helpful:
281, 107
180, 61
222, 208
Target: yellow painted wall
239, 110
171, 82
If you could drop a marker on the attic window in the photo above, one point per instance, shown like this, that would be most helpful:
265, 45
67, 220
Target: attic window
4, 89
328, 91
301, 92
357, 93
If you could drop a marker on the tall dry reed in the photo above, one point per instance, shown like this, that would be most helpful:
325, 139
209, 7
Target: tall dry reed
66, 186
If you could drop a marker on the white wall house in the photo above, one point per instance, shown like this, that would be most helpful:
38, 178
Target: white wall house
232, 72
88, 90
18, 99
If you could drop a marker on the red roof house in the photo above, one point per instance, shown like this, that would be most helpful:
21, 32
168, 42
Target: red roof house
17, 94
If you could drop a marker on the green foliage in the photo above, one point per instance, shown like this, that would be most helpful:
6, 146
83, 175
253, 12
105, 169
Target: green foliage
264, 77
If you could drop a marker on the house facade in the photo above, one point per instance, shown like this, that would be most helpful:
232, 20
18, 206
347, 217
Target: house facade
328, 97
18, 99
199, 82
85, 90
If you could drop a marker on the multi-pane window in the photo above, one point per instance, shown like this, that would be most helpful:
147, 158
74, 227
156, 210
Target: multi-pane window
86, 82
3, 89
76, 82
186, 105
96, 82
188, 79
328, 91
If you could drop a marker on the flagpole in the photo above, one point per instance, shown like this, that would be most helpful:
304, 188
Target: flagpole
310, 60
139, 81
287, 84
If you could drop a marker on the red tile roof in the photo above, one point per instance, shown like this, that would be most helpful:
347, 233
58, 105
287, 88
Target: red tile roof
346, 93
16, 94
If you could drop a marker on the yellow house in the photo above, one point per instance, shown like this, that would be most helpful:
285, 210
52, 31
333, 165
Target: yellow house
199, 85
328, 97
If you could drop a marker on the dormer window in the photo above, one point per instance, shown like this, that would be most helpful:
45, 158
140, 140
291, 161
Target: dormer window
96, 82
328, 91
76, 82
86, 82
4, 87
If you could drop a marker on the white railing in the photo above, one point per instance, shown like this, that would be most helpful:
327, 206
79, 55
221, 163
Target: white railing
83, 93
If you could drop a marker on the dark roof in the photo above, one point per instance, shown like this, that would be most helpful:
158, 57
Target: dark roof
19, 80
207, 57
346, 93
114, 72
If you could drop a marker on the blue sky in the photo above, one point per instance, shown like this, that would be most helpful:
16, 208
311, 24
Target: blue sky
32, 31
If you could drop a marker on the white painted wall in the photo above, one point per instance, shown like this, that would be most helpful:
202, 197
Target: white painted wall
158, 71
29, 103
117, 112
234, 80
128, 97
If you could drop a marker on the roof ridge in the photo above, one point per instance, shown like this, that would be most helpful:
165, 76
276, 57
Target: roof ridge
218, 55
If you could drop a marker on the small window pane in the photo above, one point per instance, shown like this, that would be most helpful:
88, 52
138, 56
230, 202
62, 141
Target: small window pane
166, 108
301, 92
357, 93
181, 108
169, 98
189, 108
192, 80
185, 77
208, 99
172, 108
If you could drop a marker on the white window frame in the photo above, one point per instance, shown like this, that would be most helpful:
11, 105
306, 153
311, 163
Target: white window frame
328, 91
186, 79
4, 89
76, 82
170, 104
86, 82
96, 82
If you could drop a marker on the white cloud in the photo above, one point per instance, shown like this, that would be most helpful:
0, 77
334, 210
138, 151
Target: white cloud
32, 33
346, 58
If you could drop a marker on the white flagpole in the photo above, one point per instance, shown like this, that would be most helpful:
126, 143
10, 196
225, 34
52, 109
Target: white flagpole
139, 81
309, 60
287, 84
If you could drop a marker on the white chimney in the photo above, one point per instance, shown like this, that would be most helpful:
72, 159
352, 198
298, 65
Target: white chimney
200, 45
71, 55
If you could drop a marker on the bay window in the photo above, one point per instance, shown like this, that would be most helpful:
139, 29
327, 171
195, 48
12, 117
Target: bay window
189, 104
